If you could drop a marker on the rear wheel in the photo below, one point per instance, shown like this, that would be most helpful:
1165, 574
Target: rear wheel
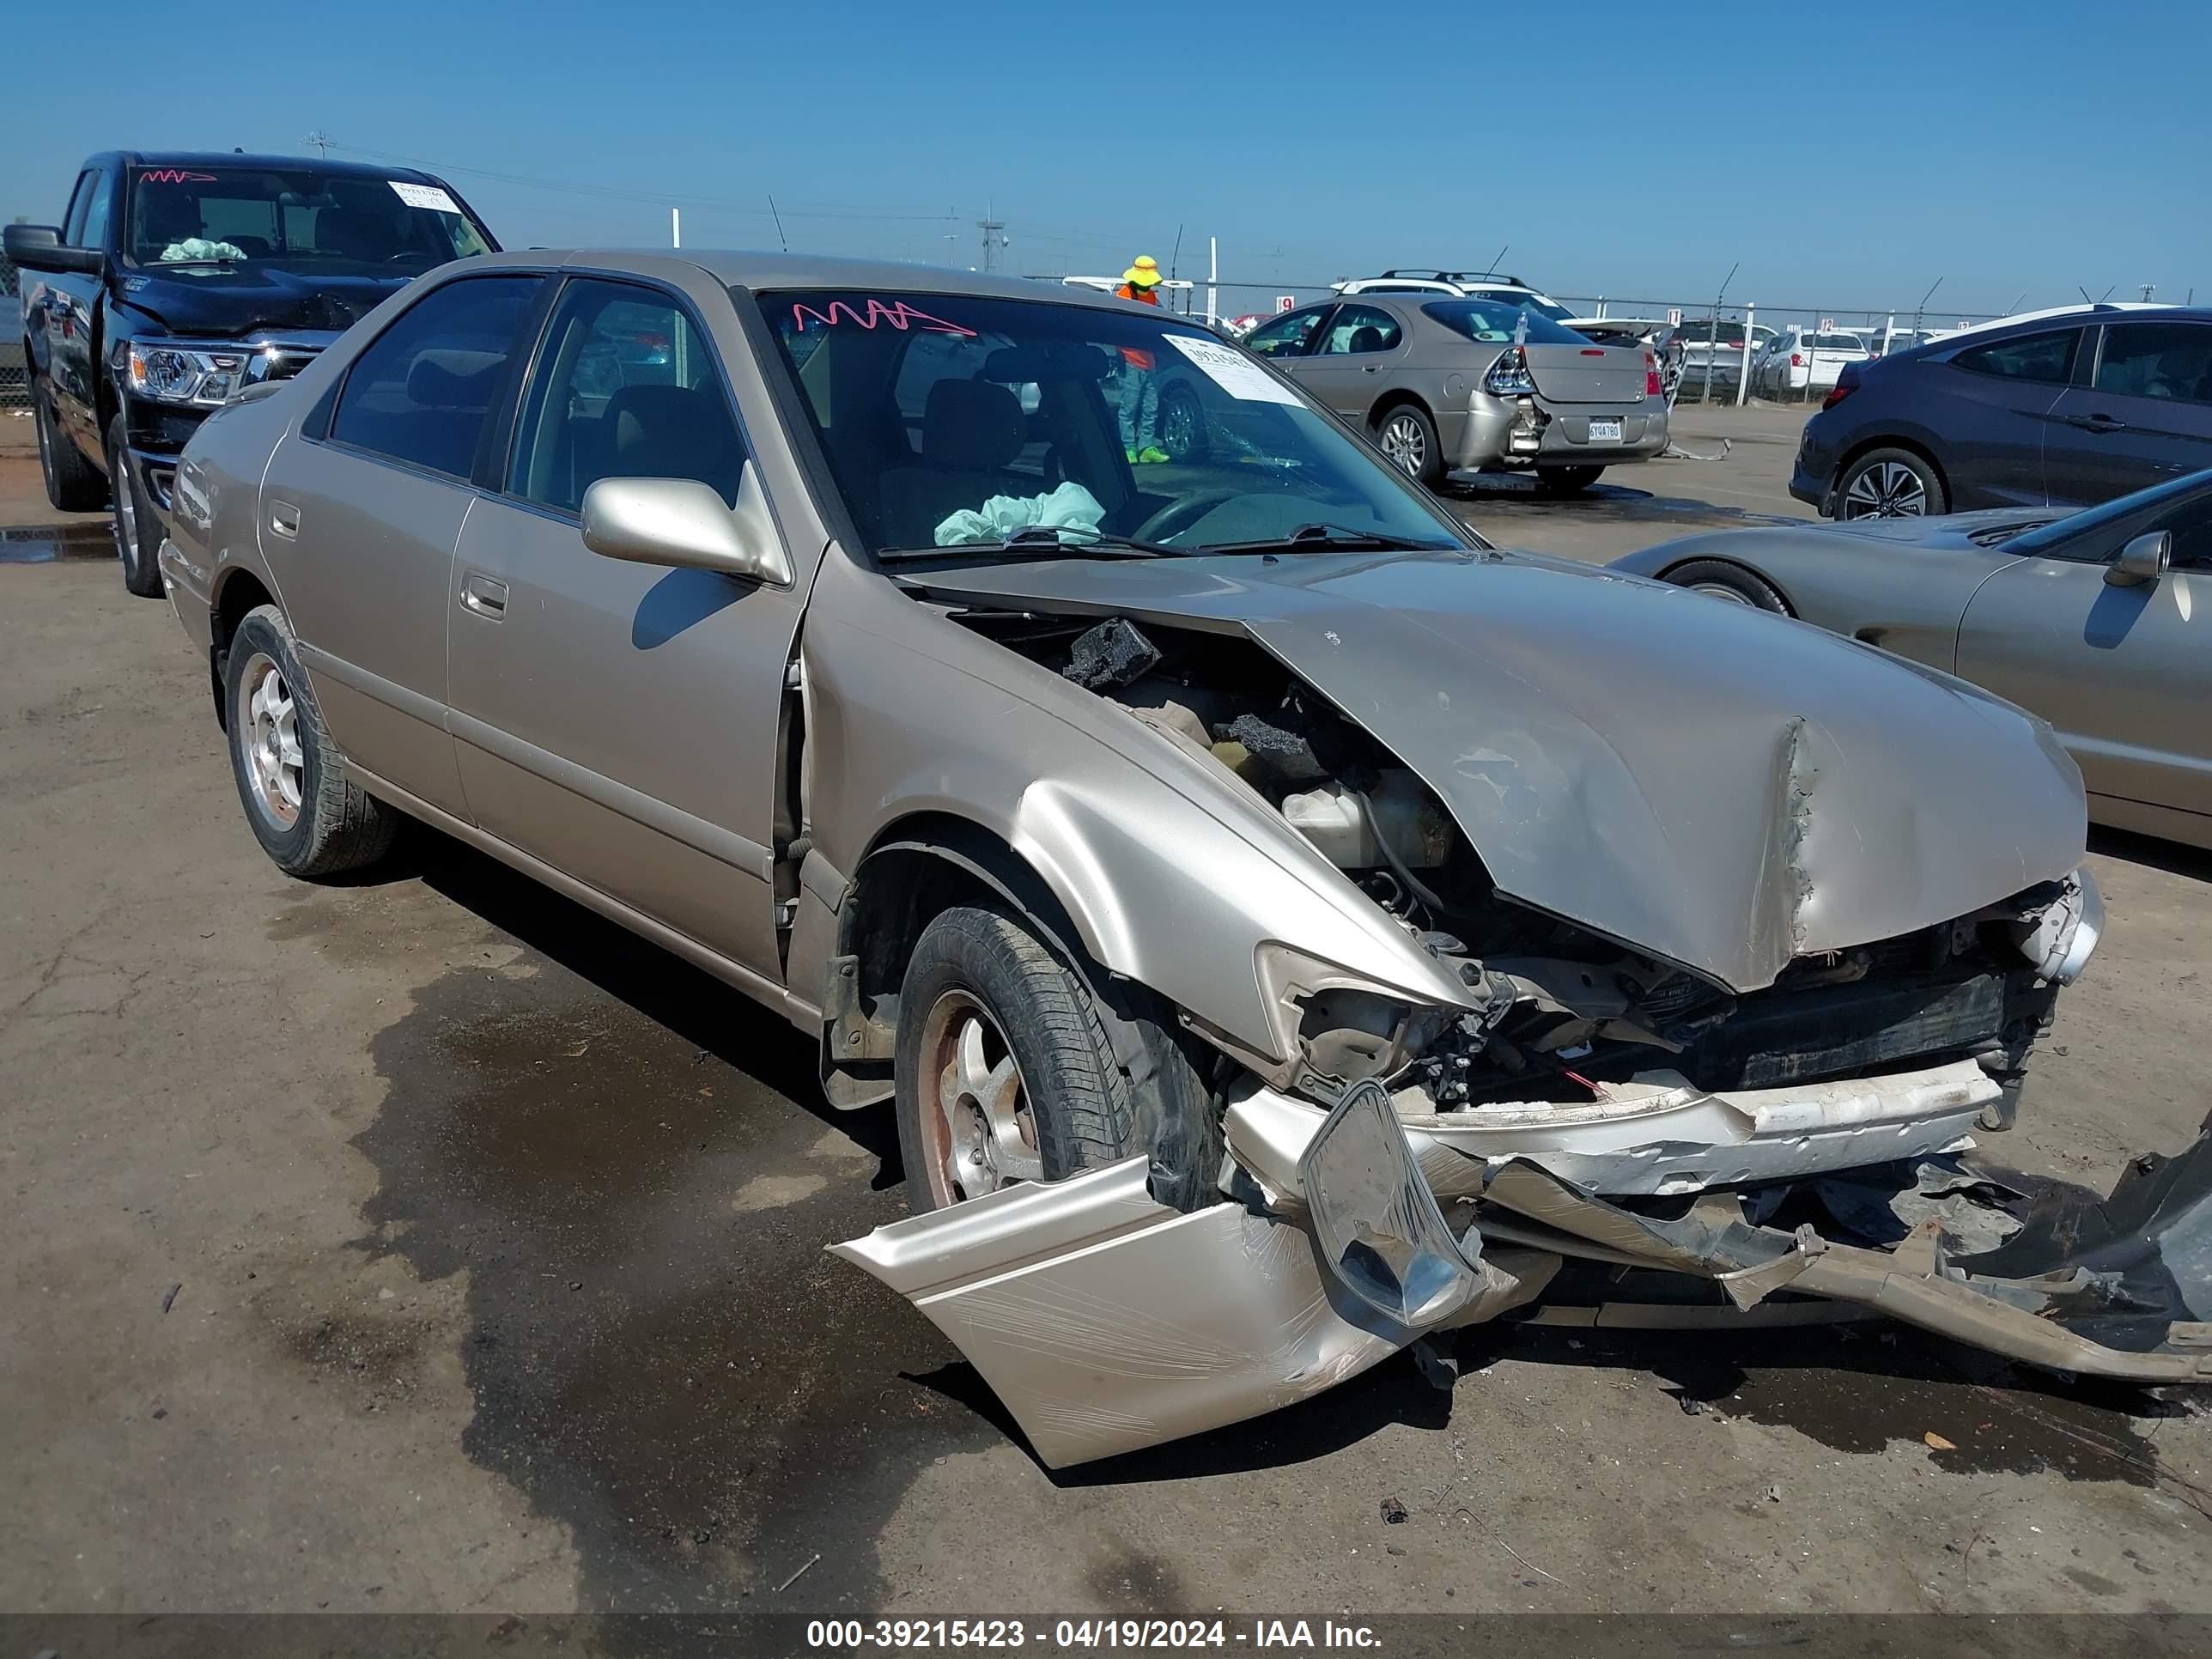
1407, 438
73, 483
1567, 480
309, 819
1718, 579
138, 529
1889, 483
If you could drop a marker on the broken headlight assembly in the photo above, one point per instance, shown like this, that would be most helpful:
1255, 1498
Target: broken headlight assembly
2060, 940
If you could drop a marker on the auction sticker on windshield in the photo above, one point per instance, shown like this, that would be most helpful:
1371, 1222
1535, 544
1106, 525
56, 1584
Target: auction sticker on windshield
1234, 373
424, 196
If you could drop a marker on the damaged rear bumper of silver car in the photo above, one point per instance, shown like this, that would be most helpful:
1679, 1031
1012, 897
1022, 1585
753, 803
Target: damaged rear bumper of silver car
1107, 1322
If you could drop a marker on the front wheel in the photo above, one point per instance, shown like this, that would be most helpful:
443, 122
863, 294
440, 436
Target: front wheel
1407, 439
1567, 480
309, 817
1006, 1072
1718, 579
1889, 483
73, 483
137, 530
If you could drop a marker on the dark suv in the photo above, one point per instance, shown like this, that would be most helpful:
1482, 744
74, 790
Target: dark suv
2064, 409
177, 283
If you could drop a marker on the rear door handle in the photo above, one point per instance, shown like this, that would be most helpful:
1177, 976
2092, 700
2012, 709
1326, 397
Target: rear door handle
284, 520
480, 594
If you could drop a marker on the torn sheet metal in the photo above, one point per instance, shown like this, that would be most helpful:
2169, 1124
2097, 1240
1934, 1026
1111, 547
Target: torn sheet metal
1657, 1135
1106, 1322
2061, 1312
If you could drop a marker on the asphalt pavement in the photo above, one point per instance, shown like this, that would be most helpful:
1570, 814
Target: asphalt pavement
426, 1243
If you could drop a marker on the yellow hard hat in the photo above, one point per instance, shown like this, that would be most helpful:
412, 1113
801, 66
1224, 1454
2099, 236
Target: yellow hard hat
1143, 274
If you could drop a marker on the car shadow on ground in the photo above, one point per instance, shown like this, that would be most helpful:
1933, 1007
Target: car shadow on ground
702, 1010
2175, 858
1602, 503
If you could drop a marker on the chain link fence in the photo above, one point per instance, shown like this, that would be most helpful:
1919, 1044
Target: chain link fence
14, 374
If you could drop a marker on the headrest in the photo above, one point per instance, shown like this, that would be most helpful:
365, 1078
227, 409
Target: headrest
454, 379
972, 424
671, 432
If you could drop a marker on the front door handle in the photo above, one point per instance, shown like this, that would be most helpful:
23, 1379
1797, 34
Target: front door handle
284, 521
2097, 423
485, 597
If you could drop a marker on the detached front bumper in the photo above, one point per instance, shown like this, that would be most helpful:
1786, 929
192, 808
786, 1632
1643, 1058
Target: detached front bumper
1107, 1322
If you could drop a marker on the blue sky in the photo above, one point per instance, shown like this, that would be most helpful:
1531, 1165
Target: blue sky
1846, 156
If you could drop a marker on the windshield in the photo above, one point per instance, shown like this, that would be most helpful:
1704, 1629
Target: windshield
1492, 322
234, 215
957, 420
2152, 503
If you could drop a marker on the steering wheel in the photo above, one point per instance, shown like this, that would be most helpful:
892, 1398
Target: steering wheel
1178, 516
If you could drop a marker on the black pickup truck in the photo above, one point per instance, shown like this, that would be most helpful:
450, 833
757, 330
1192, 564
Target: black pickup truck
177, 281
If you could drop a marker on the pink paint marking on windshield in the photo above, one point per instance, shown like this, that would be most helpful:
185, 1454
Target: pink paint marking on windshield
899, 314
176, 176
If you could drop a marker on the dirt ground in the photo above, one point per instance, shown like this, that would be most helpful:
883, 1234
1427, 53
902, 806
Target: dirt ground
426, 1243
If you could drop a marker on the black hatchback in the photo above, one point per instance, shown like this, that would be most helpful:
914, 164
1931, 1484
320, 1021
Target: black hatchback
2067, 409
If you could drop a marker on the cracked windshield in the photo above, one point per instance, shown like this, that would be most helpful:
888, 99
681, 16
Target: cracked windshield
960, 422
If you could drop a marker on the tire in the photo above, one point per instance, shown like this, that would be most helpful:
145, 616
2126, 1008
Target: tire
980, 991
1720, 579
1889, 483
1179, 423
333, 825
73, 483
1567, 480
1407, 438
137, 526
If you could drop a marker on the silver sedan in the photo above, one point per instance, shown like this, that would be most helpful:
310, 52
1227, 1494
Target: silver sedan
2088, 619
1465, 385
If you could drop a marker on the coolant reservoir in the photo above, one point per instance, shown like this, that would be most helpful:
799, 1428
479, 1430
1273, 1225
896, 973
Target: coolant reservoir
1329, 817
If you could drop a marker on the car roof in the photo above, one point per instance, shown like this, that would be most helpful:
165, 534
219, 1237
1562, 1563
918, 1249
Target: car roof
228, 158
769, 269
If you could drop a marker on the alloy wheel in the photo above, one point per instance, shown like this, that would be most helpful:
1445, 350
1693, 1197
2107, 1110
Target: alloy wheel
1719, 590
976, 1125
1405, 445
127, 514
1889, 490
269, 728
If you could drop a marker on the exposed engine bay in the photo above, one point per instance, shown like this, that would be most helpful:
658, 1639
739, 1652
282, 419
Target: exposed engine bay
1596, 1131
1567, 1012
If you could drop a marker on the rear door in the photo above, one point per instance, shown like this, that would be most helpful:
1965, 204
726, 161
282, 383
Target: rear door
360, 510
622, 721
2123, 674
1992, 403
2142, 415
1352, 358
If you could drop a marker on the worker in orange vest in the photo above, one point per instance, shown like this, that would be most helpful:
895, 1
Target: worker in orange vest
1140, 282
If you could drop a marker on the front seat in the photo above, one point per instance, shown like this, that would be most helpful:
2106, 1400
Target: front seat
971, 433
671, 432
1366, 337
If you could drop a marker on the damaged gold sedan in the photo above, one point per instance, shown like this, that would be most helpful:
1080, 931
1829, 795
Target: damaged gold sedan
1285, 925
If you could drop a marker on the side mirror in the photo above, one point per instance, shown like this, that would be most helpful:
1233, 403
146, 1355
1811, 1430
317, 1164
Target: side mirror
682, 523
39, 248
2144, 560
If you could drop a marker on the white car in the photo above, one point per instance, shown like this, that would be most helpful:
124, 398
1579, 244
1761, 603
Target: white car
1800, 359
1475, 285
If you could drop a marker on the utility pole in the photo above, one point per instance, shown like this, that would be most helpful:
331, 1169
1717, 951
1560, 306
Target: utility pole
1921, 310
995, 237
675, 227
2148, 288
321, 140
1713, 333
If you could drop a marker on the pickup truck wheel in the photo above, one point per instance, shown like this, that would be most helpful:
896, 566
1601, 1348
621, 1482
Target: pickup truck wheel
1567, 480
73, 483
137, 527
309, 819
1006, 1072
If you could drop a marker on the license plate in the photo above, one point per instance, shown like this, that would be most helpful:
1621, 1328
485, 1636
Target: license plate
1605, 432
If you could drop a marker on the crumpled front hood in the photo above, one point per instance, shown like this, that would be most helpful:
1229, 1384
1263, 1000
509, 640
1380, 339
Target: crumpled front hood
1717, 785
235, 301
